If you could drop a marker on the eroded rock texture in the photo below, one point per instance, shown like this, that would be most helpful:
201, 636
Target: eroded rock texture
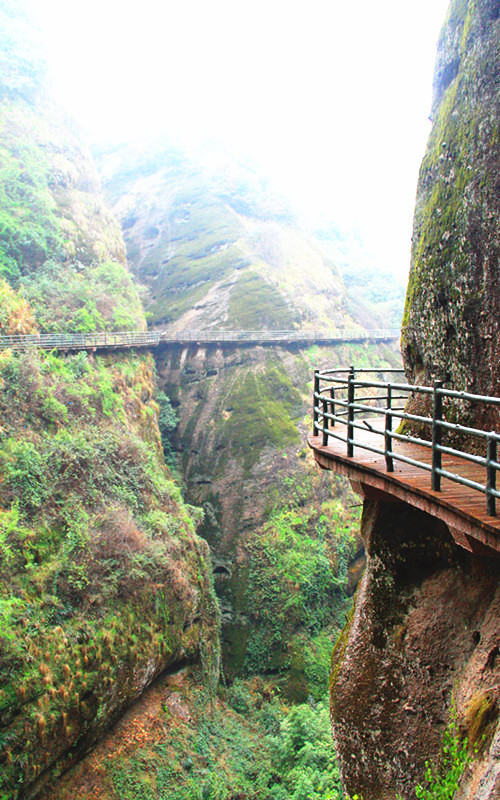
424, 637
452, 315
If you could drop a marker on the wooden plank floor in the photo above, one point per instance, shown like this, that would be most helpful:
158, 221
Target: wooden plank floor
463, 509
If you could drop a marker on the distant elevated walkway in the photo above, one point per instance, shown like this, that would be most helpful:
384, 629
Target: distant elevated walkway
353, 434
127, 339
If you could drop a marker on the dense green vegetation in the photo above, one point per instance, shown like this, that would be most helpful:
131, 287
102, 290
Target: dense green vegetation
59, 246
254, 304
103, 582
98, 559
29, 227
297, 592
260, 749
246, 743
263, 406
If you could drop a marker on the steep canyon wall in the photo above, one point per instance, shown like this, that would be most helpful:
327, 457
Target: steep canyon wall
216, 249
423, 644
103, 581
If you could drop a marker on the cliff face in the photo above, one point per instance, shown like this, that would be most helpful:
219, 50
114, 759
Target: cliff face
103, 581
422, 646
217, 250
452, 316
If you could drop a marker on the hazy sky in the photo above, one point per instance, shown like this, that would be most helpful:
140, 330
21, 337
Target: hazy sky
331, 98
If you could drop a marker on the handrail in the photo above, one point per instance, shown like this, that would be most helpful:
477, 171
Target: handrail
116, 339
331, 391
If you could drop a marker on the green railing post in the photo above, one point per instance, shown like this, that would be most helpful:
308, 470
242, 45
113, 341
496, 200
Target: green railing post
437, 435
324, 403
389, 462
315, 402
350, 412
332, 404
491, 476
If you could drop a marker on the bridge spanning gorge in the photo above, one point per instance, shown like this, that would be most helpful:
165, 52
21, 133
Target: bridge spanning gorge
447, 469
223, 338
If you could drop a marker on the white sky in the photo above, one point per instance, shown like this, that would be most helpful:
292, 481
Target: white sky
330, 97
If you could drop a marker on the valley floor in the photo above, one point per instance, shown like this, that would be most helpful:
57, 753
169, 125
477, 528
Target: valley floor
178, 743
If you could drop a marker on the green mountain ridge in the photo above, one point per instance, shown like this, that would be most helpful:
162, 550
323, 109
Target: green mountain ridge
216, 248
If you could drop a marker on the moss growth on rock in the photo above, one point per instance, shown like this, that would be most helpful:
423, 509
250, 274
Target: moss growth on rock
103, 581
264, 403
254, 304
452, 312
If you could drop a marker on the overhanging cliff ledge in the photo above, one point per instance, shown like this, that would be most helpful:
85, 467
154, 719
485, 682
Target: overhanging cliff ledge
422, 648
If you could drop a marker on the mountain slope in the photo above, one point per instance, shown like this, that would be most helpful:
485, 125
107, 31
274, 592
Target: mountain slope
216, 249
103, 581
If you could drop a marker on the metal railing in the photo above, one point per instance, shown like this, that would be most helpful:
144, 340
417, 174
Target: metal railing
89, 341
81, 341
340, 397
271, 337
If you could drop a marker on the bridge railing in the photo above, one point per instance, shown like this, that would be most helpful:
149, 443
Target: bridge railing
331, 335
89, 341
342, 396
81, 341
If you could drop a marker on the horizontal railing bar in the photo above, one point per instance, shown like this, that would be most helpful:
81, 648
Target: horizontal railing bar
327, 372
355, 443
411, 461
406, 387
333, 434
415, 388
334, 418
337, 402
411, 417
452, 476
402, 437
371, 409
453, 426
341, 382
450, 451
467, 396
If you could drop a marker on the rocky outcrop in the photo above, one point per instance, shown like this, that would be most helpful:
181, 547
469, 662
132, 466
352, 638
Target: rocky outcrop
452, 317
215, 248
422, 645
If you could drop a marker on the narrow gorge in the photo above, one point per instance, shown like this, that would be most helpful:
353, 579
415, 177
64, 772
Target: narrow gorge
188, 604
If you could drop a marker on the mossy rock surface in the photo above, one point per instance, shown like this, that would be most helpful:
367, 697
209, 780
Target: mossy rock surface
103, 580
452, 316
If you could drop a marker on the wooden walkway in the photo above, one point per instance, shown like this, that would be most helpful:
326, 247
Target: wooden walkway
462, 509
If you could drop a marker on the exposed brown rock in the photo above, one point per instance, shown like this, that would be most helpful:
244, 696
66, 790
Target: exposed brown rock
424, 638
